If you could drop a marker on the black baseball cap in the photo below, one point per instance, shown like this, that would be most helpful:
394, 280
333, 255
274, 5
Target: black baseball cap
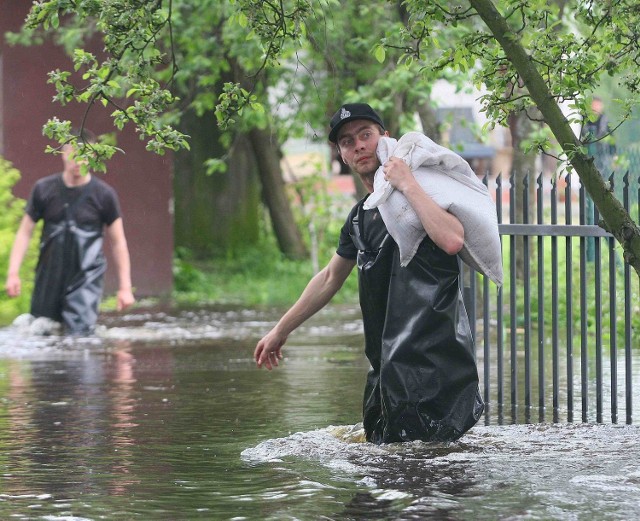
349, 112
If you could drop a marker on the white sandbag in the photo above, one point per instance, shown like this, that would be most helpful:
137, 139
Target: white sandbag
454, 186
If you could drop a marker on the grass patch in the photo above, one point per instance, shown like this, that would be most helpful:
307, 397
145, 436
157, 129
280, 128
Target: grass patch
259, 274
256, 276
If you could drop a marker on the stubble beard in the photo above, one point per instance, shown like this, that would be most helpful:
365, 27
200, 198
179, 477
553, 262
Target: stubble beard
367, 178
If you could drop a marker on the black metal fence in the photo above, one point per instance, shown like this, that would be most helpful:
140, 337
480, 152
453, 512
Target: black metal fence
560, 340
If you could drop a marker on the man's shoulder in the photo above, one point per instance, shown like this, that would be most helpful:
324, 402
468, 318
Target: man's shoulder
355, 210
356, 207
46, 186
100, 182
102, 186
48, 180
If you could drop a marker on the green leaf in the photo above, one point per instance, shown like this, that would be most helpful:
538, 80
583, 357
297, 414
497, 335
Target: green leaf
241, 19
379, 53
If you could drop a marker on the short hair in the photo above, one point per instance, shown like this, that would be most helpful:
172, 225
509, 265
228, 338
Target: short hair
84, 134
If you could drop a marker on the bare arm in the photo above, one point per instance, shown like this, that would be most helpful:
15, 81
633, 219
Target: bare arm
444, 228
18, 251
120, 252
321, 288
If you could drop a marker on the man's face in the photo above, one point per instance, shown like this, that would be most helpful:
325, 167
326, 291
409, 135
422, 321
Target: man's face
597, 106
71, 165
357, 142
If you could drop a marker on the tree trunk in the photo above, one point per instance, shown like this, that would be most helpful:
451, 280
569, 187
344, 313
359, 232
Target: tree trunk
214, 213
267, 153
521, 167
616, 220
429, 120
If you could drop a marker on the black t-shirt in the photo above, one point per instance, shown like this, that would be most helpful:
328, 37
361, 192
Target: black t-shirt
373, 231
100, 205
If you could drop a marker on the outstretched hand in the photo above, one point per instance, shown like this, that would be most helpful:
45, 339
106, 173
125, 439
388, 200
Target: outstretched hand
269, 350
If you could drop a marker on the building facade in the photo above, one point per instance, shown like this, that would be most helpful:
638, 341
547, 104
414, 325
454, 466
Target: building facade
142, 179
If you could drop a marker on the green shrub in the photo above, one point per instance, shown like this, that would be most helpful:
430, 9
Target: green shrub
258, 273
13, 210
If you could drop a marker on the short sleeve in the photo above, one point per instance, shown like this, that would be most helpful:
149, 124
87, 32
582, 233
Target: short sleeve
346, 247
110, 205
35, 206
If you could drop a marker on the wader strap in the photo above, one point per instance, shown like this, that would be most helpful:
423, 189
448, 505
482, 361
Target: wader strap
356, 225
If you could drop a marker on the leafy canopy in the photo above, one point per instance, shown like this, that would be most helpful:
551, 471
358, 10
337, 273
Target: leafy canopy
572, 44
121, 78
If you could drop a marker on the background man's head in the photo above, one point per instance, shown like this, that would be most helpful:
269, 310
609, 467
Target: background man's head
71, 164
597, 105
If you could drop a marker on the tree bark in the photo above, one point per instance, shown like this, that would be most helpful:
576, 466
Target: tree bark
521, 167
429, 120
616, 220
214, 213
267, 153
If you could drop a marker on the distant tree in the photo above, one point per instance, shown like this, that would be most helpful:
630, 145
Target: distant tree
161, 66
532, 57
168, 67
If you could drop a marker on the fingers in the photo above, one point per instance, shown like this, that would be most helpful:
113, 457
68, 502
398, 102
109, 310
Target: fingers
125, 300
13, 286
266, 356
393, 163
124, 304
389, 167
257, 353
261, 355
398, 173
271, 361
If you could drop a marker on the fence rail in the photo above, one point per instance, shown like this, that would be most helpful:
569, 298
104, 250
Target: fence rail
561, 336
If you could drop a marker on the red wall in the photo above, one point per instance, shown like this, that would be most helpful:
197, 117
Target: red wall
142, 179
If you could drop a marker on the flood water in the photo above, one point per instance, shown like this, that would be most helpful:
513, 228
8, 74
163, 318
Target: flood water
164, 416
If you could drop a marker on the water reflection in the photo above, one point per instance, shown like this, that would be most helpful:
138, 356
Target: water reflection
164, 416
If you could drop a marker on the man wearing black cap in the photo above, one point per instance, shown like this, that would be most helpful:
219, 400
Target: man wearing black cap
423, 381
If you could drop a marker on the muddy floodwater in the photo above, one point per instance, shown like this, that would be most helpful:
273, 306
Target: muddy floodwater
163, 416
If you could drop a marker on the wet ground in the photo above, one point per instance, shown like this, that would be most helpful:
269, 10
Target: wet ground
163, 415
